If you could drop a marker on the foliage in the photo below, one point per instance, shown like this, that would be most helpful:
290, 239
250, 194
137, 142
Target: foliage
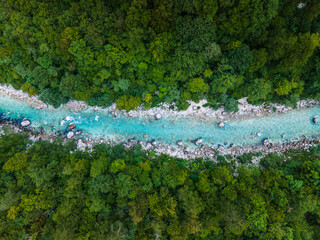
100, 51
50, 191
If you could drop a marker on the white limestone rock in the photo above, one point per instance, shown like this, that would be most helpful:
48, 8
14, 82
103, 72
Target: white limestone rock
198, 141
179, 143
158, 116
25, 123
70, 135
221, 124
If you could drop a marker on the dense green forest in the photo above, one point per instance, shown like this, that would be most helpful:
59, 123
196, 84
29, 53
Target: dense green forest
50, 191
151, 51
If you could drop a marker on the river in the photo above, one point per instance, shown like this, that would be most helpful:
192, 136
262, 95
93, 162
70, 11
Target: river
277, 128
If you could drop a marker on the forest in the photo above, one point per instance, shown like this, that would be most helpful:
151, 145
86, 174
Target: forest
53, 191
134, 52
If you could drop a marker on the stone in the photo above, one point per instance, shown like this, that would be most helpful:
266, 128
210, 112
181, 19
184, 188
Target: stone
221, 149
259, 134
314, 120
158, 116
198, 141
78, 132
146, 136
266, 142
72, 126
81, 145
70, 135
221, 124
25, 123
154, 143
301, 5
179, 143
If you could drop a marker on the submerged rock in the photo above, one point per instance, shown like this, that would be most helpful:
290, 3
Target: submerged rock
221, 124
314, 120
72, 126
146, 136
259, 134
70, 135
25, 123
198, 141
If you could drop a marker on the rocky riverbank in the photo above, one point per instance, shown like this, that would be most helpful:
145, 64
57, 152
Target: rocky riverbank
195, 110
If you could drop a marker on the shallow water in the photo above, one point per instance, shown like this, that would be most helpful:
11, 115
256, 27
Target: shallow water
100, 124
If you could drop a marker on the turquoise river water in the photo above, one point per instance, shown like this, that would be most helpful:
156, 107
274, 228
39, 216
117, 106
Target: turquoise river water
100, 124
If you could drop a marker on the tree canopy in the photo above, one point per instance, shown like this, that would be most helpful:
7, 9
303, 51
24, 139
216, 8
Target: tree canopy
110, 51
52, 191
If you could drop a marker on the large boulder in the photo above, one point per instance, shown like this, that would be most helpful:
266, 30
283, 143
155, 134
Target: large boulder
158, 116
25, 123
198, 141
70, 135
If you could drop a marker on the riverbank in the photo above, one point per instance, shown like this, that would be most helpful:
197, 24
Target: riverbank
195, 110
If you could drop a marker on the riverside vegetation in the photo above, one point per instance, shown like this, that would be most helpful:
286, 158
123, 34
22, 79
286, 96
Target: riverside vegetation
51, 191
152, 51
